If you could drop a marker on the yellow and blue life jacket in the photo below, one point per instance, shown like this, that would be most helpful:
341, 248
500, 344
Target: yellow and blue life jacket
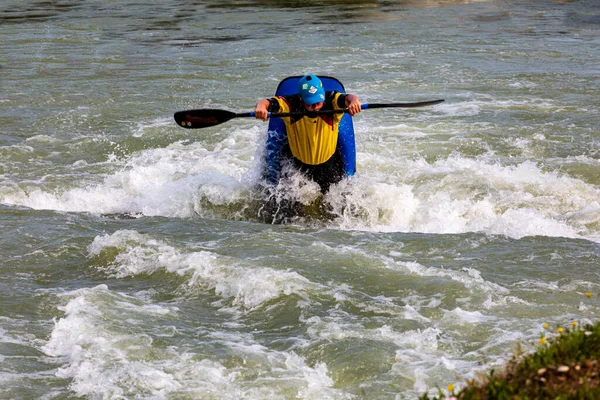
312, 139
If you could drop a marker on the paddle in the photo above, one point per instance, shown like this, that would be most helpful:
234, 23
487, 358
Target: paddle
204, 118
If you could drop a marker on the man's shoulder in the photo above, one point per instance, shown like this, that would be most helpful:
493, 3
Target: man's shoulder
333, 94
293, 101
335, 99
288, 97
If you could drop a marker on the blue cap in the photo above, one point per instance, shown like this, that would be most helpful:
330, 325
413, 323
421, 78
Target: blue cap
311, 89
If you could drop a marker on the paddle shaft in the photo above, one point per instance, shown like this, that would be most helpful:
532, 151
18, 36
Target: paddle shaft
364, 106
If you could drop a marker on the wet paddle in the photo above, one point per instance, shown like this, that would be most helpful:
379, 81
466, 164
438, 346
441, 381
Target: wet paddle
204, 118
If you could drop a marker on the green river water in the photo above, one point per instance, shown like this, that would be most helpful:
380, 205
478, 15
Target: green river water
133, 264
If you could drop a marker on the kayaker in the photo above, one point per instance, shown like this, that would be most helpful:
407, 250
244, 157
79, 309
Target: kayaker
312, 138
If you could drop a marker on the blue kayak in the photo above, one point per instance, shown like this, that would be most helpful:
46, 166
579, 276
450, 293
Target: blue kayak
277, 135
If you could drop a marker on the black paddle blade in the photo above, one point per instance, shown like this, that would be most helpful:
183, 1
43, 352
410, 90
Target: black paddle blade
196, 119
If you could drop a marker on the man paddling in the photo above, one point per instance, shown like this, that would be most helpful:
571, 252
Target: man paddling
312, 138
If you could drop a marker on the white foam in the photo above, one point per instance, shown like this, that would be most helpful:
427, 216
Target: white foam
168, 181
390, 193
459, 109
240, 285
142, 128
88, 347
457, 195
420, 340
5, 337
493, 293
103, 356
458, 315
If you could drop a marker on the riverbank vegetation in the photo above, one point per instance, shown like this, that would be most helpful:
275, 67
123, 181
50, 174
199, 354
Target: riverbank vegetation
565, 366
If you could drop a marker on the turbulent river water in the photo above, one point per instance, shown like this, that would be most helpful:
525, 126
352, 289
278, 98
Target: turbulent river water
133, 264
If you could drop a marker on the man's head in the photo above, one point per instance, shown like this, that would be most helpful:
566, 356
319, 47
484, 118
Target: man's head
311, 89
